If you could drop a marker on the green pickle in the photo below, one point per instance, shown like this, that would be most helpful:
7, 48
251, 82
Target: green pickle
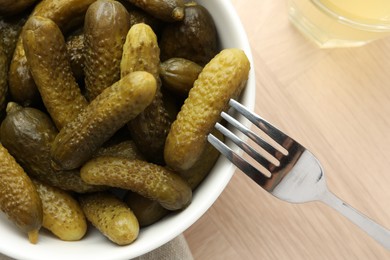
19, 199
146, 210
149, 180
105, 28
98, 122
67, 14
111, 216
47, 57
165, 10
150, 128
223, 78
62, 214
195, 38
179, 74
28, 133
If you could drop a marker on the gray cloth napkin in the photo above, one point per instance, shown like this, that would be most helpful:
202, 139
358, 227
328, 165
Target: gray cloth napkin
176, 249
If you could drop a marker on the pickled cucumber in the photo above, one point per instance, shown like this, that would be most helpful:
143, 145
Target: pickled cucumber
22, 87
62, 214
165, 10
19, 199
195, 38
105, 115
149, 180
140, 51
46, 55
222, 78
106, 25
179, 75
111, 216
12, 7
67, 14
27, 133
146, 210
150, 128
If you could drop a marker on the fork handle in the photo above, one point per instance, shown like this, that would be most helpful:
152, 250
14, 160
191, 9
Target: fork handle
376, 231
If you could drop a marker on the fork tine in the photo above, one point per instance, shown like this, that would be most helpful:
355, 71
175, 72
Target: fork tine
260, 141
237, 160
261, 123
245, 147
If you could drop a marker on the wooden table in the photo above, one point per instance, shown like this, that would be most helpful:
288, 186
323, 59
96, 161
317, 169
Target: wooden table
337, 103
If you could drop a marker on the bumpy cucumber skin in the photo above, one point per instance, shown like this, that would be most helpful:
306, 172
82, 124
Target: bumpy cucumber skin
75, 48
19, 199
62, 214
223, 78
9, 33
149, 180
165, 10
105, 115
150, 128
46, 54
27, 133
106, 25
10, 28
66, 14
111, 216
140, 51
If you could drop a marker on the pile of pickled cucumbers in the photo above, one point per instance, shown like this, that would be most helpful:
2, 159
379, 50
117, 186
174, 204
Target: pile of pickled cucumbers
104, 109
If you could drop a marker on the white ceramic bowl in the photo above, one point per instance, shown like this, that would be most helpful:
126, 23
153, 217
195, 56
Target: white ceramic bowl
94, 245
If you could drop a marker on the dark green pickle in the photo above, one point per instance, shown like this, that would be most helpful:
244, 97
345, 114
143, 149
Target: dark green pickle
105, 28
146, 210
27, 133
195, 38
179, 75
165, 10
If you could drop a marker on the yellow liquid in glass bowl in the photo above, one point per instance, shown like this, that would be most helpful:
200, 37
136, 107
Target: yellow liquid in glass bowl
365, 11
341, 23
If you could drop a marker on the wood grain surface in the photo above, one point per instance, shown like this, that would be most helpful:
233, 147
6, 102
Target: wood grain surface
336, 102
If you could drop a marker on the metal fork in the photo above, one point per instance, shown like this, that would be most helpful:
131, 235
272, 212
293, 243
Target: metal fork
292, 174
